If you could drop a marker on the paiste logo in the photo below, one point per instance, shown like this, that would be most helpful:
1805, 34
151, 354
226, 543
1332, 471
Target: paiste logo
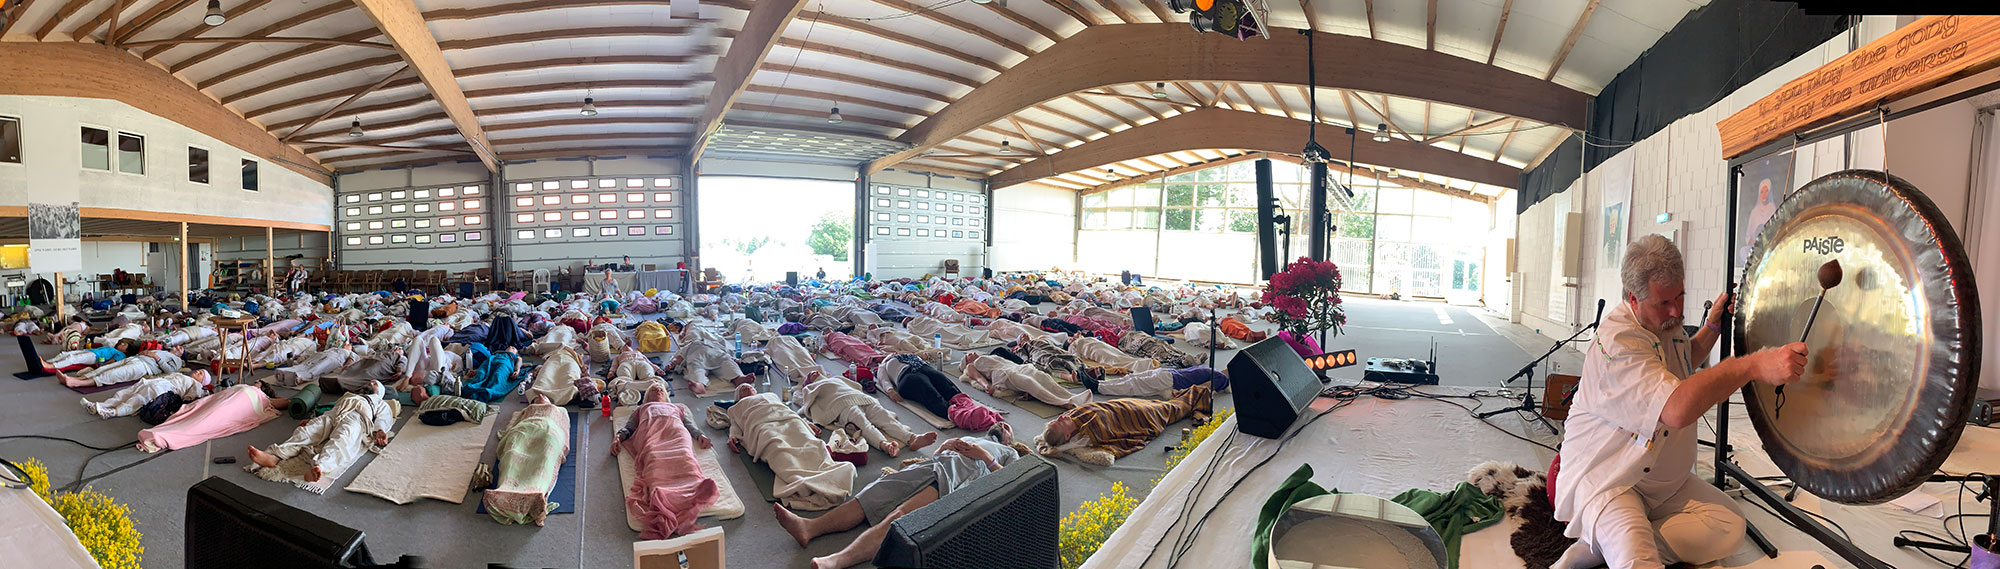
1824, 245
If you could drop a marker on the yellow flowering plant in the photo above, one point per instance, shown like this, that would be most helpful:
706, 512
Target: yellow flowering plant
102, 525
1086, 528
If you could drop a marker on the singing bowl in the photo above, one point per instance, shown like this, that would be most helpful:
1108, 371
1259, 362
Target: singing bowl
1893, 359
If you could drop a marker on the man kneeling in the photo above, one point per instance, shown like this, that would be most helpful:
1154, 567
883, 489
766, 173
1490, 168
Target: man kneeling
958, 462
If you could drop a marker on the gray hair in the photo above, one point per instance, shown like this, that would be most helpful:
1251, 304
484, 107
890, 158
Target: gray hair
1650, 259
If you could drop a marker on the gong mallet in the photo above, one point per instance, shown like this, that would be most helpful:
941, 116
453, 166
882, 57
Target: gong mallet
1829, 277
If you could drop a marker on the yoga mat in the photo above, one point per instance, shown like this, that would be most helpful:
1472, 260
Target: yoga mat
564, 493
426, 462
727, 506
304, 402
294, 470
30, 356
936, 422
98, 388
761, 475
1039, 408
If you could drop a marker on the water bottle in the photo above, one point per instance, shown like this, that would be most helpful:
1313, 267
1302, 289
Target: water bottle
739, 344
937, 340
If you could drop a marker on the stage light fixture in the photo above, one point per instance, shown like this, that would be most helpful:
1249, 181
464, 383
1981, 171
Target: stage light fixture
1160, 90
354, 129
589, 107
215, 16
1331, 360
1382, 132
834, 117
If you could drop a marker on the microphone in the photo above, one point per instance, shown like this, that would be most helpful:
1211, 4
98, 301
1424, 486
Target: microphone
1600, 314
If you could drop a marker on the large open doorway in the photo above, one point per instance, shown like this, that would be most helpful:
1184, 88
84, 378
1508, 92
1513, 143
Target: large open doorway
757, 229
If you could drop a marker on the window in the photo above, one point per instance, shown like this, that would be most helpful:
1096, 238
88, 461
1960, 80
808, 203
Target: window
972, 210
472, 236
423, 194
579, 185
375, 240
958, 221
524, 187
923, 205
351, 198
524, 202
635, 214
470, 191
975, 222
579, 216
923, 233
903, 232
398, 223
923, 219
423, 223
472, 220
972, 234
399, 238
549, 187
552, 216
663, 197
447, 192
448, 237
881, 231
902, 191
958, 197
551, 200
663, 182
663, 230
882, 202
353, 226
447, 206
606, 231
881, 216
470, 204
96, 149
375, 197
607, 214
903, 218
905, 204
374, 210
585, 198
397, 208
354, 241
249, 174
552, 233
423, 239
601, 198
10, 140
663, 214
579, 232
353, 211
940, 220
958, 234
524, 218
525, 234
958, 209
447, 221
635, 198
197, 162
923, 193
635, 230
423, 208
881, 190
398, 194
607, 183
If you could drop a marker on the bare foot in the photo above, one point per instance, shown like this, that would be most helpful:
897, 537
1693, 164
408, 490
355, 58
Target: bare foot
264, 459
923, 440
891, 448
74, 382
313, 475
792, 523
828, 562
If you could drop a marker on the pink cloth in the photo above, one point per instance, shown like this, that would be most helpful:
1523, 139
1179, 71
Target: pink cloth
228, 412
1091, 324
1306, 346
669, 490
970, 415
280, 326
851, 349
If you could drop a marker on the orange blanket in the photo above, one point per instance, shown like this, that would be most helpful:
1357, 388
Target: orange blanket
1235, 328
976, 308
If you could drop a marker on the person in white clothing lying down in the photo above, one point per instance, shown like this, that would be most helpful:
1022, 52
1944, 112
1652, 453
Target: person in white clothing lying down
1625, 483
141, 364
128, 401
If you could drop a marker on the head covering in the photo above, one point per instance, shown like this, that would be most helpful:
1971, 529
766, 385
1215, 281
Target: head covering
505, 334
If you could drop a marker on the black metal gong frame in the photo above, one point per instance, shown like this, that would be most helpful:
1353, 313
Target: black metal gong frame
1725, 467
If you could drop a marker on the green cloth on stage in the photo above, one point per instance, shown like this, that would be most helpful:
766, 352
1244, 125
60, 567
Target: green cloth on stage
1453, 514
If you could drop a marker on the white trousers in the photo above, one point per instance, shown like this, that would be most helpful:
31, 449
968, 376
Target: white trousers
1149, 383
1697, 524
1035, 383
73, 358
122, 371
877, 425
331, 441
126, 402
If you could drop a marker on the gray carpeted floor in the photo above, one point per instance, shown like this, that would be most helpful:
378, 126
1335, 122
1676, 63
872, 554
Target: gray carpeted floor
1471, 352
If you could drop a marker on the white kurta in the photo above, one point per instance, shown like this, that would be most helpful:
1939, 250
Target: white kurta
129, 400
1613, 440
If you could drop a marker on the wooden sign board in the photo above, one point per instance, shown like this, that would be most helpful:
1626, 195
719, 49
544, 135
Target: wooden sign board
1925, 54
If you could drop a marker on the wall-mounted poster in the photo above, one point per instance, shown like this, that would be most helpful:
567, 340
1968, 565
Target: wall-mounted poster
55, 237
1615, 176
1764, 185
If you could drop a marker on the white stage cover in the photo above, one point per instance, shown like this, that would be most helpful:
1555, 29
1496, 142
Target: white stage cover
1384, 447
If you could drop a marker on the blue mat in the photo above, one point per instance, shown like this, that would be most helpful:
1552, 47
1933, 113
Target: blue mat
564, 494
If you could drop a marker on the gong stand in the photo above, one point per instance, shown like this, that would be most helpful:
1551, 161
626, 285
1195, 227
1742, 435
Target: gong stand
1989, 485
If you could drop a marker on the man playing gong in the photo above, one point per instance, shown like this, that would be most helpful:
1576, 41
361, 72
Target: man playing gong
1626, 484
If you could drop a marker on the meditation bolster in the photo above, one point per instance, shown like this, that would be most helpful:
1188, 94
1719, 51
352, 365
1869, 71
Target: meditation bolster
304, 401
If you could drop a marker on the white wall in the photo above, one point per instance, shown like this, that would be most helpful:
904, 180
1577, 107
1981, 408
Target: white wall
52, 160
1034, 228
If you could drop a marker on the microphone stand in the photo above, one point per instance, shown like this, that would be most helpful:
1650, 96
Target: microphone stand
1528, 402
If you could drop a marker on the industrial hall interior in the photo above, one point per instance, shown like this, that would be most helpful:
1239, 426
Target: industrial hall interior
997, 284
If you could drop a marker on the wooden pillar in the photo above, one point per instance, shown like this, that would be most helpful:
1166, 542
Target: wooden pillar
270, 267
61, 319
182, 245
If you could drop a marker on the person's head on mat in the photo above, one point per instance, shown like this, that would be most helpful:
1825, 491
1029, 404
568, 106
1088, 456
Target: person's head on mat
745, 391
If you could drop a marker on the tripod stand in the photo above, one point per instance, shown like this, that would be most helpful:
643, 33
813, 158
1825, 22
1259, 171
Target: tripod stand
1528, 402
1987, 494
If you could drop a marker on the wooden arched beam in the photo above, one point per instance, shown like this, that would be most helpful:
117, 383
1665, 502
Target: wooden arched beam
315, 147
234, 11
1220, 128
516, 90
567, 106
1105, 56
509, 67
762, 27
400, 21
316, 41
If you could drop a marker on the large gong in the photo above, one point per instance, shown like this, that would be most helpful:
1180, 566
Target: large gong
1893, 359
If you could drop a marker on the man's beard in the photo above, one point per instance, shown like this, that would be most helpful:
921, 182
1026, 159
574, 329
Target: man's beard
1670, 325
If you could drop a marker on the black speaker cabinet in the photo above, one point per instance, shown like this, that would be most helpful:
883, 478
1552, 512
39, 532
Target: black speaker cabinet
792, 279
1272, 385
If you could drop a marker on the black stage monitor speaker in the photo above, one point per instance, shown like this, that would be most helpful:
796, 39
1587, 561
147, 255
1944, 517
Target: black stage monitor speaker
1005, 520
792, 279
228, 527
1267, 223
1272, 385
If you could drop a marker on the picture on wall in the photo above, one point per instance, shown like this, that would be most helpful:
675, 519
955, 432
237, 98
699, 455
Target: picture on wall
1764, 185
1615, 192
55, 237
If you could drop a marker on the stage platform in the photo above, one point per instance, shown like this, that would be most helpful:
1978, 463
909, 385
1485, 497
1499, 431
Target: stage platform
1384, 447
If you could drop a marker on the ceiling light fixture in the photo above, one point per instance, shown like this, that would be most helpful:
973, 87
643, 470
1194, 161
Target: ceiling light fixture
1382, 132
834, 117
215, 16
354, 130
1006, 147
1392, 174
589, 107
1160, 90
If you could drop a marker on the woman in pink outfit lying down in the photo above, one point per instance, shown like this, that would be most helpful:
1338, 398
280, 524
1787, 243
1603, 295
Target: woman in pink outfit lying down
668, 489
230, 411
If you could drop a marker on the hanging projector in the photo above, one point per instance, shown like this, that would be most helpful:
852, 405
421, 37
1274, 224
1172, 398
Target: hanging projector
1240, 18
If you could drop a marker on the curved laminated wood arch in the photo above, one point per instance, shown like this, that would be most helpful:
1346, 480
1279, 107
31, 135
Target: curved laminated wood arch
1105, 56
1257, 132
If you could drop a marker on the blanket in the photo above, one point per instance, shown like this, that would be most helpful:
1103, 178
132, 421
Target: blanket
807, 476
426, 462
727, 506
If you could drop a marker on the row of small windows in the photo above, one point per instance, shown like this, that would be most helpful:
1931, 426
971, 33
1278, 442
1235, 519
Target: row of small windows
940, 220
906, 232
557, 233
403, 238
111, 150
926, 194
419, 224
423, 194
467, 205
579, 199
907, 204
601, 183
582, 215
